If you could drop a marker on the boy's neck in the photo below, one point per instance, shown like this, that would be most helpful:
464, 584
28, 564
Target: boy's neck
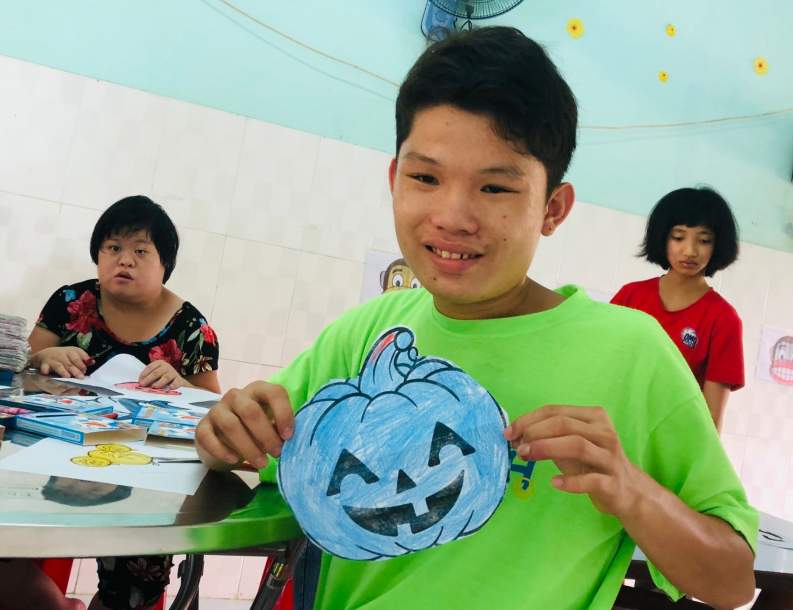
526, 298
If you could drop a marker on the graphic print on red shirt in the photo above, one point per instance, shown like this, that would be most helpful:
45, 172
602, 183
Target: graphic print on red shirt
708, 332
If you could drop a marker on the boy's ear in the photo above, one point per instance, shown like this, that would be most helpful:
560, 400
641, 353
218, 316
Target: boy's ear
559, 205
392, 174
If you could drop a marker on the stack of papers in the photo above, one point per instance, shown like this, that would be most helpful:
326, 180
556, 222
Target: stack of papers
14, 348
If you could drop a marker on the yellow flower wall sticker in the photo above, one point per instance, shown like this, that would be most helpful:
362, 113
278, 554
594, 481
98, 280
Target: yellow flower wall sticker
663, 76
575, 27
671, 30
760, 65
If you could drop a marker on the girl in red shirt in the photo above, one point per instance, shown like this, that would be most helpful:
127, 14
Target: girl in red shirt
691, 233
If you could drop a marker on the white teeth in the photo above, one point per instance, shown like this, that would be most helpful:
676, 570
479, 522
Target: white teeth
452, 255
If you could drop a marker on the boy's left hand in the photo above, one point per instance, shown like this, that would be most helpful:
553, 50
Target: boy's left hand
159, 374
584, 445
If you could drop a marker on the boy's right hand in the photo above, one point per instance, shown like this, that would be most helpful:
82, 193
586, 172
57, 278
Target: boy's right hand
67, 361
246, 424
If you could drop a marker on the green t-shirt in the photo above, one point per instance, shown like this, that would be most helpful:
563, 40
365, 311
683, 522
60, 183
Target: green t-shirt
543, 548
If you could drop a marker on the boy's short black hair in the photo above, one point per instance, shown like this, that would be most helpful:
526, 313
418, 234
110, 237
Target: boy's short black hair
499, 73
692, 207
138, 213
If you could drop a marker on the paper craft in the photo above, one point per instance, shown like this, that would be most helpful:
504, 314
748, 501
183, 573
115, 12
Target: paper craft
53, 457
118, 369
119, 376
408, 455
775, 358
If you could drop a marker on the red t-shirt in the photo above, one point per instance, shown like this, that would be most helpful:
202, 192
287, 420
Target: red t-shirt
708, 332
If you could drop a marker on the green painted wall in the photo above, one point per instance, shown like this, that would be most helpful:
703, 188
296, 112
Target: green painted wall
205, 52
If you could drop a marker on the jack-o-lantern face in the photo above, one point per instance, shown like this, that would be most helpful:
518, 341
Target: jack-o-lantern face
408, 455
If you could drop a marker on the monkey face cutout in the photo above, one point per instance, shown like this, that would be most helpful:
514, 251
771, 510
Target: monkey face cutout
398, 276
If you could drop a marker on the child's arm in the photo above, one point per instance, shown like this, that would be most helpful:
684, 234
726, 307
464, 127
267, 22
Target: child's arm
716, 395
246, 424
700, 554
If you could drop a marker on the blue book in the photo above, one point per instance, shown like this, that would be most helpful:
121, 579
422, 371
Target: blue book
147, 414
169, 430
79, 428
94, 405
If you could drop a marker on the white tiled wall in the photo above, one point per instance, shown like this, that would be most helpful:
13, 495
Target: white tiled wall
275, 226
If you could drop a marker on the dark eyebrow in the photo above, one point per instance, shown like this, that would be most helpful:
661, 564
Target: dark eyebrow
504, 170
508, 170
415, 156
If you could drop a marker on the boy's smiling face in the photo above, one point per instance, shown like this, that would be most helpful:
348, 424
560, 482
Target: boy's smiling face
469, 210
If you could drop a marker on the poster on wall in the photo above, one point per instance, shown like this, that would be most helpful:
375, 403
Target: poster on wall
385, 271
775, 360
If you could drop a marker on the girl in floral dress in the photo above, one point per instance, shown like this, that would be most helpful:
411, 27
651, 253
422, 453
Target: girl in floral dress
128, 310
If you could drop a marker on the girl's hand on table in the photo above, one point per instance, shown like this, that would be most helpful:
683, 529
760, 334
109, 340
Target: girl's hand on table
62, 361
159, 374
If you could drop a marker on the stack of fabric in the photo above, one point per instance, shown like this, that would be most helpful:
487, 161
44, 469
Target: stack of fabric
14, 348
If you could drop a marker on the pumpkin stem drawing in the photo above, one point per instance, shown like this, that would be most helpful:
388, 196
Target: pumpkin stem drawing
407, 455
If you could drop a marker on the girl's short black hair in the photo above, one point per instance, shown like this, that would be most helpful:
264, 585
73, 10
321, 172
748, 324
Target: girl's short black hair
138, 213
692, 207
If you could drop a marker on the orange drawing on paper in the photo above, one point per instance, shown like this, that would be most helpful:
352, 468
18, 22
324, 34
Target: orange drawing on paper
134, 385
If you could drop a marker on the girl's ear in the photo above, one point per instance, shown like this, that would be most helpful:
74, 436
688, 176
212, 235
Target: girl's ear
559, 205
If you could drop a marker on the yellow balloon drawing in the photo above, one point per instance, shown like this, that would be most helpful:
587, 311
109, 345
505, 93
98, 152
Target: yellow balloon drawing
109, 454
113, 448
90, 461
132, 458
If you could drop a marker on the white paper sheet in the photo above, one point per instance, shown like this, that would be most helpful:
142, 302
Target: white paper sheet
52, 457
120, 374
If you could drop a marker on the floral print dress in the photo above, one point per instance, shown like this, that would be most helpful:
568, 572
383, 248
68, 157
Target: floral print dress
187, 343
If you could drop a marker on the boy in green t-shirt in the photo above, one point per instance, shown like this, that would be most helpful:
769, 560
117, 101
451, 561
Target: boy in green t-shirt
485, 132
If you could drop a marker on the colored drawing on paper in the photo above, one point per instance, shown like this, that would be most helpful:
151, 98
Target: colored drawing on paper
775, 356
408, 455
398, 276
781, 369
109, 454
134, 385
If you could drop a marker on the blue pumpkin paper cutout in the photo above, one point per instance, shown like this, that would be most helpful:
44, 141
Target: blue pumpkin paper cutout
408, 455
